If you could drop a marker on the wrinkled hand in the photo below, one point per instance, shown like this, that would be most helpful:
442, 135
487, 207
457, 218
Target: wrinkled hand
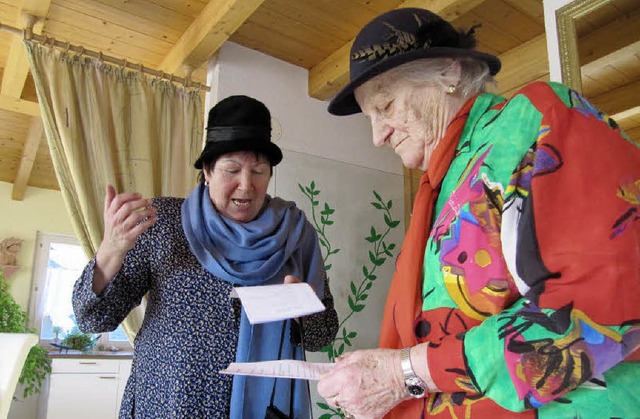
126, 217
365, 384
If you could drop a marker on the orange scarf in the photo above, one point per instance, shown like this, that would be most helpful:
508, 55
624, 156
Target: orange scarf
404, 301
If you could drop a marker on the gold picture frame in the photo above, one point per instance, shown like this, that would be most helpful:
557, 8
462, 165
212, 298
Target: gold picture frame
566, 17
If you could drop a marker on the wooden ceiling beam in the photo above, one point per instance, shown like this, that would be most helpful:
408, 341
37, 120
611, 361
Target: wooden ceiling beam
629, 114
35, 135
17, 66
210, 29
329, 76
618, 100
616, 35
9, 103
629, 121
522, 64
621, 60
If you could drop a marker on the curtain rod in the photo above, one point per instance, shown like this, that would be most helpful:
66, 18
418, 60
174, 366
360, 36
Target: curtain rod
43, 39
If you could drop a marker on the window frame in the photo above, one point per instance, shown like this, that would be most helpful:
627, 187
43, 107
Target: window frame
38, 285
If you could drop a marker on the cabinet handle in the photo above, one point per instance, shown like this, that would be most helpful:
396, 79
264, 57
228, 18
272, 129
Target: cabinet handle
87, 363
107, 378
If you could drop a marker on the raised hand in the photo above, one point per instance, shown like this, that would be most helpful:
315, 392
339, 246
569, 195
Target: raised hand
126, 217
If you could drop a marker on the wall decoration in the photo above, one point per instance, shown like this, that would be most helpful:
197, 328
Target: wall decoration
379, 252
9, 249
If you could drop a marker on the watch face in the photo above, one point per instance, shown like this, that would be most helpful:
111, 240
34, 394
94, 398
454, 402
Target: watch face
415, 391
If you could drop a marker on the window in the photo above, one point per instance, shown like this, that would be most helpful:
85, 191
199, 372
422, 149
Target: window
59, 261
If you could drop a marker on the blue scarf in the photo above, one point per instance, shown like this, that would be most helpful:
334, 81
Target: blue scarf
279, 242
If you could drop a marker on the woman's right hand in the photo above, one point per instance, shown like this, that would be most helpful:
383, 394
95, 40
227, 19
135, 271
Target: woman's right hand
126, 217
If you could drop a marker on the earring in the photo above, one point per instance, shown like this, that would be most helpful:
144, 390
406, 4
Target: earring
206, 183
451, 89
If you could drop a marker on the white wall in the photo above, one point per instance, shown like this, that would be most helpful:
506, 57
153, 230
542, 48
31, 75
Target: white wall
337, 155
551, 30
307, 127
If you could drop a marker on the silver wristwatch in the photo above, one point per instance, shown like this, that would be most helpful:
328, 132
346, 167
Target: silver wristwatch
413, 385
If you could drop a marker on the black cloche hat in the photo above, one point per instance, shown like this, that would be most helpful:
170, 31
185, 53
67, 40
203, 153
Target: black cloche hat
397, 37
239, 123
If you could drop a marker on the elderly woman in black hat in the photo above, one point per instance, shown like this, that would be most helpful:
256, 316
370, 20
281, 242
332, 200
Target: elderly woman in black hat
187, 255
516, 290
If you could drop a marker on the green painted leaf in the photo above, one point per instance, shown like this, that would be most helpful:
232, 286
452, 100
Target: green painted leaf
353, 288
378, 206
327, 210
389, 204
358, 308
377, 196
351, 303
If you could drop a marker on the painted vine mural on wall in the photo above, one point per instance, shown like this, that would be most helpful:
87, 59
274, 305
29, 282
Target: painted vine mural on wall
380, 251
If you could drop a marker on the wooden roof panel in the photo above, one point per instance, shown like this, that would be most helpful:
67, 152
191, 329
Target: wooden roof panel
316, 35
101, 34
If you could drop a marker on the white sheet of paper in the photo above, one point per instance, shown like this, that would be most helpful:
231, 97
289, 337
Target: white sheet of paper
267, 303
283, 368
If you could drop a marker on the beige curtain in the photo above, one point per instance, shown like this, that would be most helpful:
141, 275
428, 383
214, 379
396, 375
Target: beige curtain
107, 125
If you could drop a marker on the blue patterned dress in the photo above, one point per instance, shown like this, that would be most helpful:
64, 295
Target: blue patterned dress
190, 328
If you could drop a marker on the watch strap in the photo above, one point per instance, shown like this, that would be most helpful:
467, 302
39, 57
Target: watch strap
414, 386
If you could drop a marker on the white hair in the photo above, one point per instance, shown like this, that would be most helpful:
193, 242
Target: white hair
474, 73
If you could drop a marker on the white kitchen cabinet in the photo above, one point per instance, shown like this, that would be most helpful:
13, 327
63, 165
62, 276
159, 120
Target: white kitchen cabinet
81, 388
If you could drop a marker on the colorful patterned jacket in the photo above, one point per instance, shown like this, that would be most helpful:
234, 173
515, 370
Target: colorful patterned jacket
531, 295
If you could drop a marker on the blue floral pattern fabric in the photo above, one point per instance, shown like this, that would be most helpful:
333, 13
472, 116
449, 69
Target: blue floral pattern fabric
190, 329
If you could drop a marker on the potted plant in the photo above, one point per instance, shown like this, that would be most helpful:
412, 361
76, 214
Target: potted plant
78, 340
13, 319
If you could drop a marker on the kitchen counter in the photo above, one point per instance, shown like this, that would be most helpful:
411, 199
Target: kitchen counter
57, 353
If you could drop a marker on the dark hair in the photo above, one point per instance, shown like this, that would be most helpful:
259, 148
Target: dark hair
208, 164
